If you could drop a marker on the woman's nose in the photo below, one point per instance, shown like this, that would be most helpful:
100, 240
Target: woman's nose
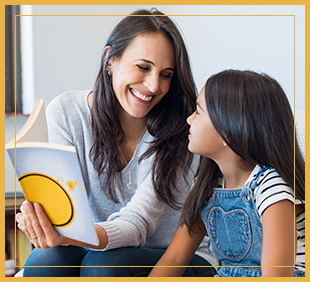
152, 83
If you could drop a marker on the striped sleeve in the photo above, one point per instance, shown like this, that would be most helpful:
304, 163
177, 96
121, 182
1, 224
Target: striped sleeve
300, 253
271, 189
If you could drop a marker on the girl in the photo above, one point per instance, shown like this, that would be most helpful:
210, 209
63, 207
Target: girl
243, 196
130, 133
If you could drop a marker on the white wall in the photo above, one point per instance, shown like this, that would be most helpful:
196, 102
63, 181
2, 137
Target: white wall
63, 52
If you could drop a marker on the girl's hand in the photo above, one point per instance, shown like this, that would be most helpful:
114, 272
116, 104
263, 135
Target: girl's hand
33, 221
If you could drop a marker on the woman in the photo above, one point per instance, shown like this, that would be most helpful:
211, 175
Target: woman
130, 133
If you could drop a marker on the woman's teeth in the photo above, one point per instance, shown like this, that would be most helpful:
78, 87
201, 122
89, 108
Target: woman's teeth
140, 96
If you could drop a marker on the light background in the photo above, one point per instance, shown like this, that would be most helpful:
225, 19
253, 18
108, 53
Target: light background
300, 74
61, 47
61, 53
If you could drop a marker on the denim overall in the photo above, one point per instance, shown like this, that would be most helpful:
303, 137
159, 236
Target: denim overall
235, 230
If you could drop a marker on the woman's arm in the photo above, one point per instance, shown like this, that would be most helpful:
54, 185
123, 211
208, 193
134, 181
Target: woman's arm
279, 243
180, 251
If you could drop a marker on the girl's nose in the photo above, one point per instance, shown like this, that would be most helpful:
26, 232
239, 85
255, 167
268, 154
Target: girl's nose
189, 119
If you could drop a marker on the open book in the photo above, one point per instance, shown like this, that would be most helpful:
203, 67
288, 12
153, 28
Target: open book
50, 175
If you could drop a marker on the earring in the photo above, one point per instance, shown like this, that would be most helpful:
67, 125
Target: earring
224, 143
109, 73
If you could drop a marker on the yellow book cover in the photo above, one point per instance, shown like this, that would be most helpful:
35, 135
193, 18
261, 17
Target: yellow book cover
50, 175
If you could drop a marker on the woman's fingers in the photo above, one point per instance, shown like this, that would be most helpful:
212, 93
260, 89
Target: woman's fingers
34, 231
51, 235
35, 224
20, 218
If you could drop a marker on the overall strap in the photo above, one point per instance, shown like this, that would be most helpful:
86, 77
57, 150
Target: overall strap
253, 183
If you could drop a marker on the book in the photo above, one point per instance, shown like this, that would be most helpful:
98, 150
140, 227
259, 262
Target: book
50, 174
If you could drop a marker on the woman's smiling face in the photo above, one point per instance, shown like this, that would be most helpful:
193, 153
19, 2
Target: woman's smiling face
142, 76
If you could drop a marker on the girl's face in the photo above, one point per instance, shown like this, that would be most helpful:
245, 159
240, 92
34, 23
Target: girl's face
142, 76
203, 138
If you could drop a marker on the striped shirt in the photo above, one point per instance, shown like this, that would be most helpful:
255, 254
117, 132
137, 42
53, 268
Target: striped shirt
271, 189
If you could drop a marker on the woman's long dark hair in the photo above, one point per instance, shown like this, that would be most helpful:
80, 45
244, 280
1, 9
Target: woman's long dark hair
253, 116
166, 121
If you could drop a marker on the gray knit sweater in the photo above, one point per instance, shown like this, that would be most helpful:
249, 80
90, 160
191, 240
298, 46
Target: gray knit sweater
140, 219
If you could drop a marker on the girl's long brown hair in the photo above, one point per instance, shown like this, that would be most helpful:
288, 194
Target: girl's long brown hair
253, 116
166, 121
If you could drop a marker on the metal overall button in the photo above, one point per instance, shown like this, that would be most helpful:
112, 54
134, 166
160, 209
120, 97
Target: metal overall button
247, 198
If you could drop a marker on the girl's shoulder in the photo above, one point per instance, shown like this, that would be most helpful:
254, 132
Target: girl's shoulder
270, 188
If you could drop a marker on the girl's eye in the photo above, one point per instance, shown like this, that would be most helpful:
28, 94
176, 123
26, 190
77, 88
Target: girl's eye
197, 113
143, 68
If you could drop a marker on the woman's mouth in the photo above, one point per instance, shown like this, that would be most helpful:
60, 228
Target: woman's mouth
140, 96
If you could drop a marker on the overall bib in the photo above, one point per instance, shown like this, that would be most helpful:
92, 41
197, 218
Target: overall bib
235, 230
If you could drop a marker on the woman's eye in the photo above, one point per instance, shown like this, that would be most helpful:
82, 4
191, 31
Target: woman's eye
167, 75
143, 68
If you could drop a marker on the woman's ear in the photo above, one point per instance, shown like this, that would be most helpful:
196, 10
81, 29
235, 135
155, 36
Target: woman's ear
106, 53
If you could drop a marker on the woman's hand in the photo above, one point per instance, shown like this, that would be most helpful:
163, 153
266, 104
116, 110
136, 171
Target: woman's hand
33, 221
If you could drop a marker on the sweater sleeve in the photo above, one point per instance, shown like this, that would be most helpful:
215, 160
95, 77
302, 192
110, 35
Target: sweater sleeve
136, 221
